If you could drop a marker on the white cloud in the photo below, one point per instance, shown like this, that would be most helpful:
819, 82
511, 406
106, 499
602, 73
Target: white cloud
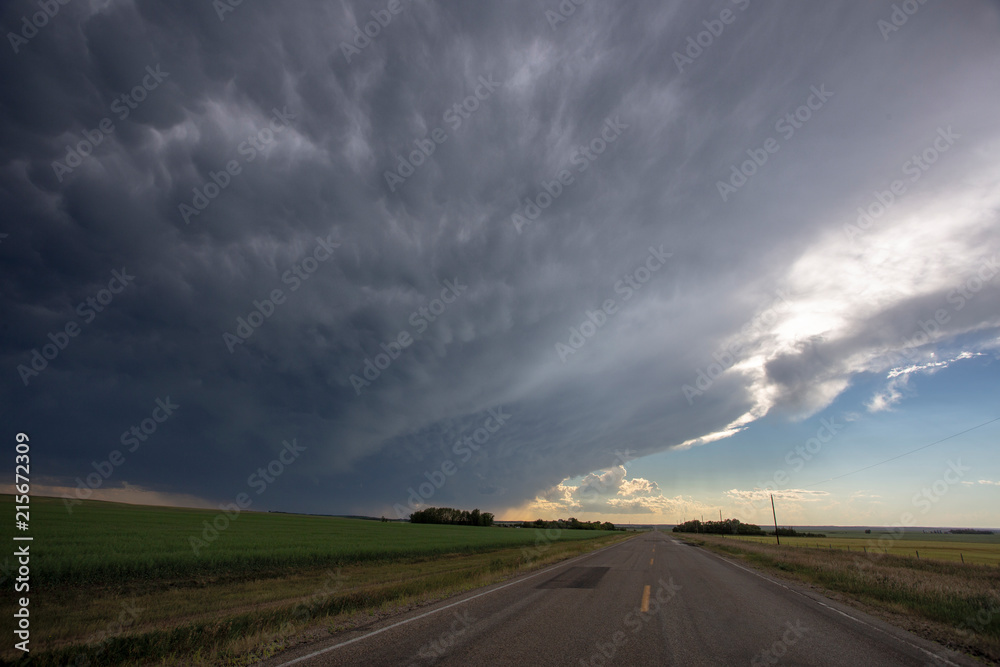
898, 378
923, 251
610, 492
756, 496
605, 482
932, 367
889, 396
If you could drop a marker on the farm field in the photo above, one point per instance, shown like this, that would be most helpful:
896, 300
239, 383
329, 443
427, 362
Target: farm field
124, 584
981, 549
104, 543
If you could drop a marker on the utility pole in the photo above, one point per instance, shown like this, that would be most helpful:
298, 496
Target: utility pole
775, 520
720, 516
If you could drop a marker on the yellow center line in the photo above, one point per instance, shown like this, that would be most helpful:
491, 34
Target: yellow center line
650, 561
645, 599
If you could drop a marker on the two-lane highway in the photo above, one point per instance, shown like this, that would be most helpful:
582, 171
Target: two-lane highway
651, 600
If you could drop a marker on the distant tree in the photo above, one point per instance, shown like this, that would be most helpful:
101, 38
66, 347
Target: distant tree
571, 523
791, 532
448, 515
727, 527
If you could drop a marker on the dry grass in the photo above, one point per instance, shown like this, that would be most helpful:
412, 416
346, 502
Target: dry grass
953, 604
939, 547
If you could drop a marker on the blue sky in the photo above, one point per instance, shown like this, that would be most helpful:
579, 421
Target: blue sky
937, 406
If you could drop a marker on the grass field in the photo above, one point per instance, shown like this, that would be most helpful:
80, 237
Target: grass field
121, 584
981, 549
103, 543
955, 604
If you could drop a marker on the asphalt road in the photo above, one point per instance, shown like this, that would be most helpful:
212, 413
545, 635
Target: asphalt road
651, 600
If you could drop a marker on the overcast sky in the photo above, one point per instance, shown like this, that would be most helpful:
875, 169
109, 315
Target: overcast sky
537, 258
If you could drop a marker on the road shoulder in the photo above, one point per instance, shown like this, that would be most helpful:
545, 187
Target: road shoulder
919, 633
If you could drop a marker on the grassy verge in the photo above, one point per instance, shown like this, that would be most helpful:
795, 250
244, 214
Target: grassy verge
248, 595
982, 549
953, 604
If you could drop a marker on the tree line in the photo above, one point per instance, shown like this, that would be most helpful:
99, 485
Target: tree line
452, 516
791, 532
735, 527
570, 524
449, 515
727, 527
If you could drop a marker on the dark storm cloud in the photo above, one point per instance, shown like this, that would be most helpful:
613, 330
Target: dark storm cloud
280, 147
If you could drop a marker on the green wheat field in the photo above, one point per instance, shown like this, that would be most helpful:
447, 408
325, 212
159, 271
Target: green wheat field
115, 584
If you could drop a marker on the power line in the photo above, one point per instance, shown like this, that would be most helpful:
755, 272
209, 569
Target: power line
936, 442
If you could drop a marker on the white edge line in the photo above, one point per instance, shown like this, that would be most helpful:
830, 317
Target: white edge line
448, 606
853, 618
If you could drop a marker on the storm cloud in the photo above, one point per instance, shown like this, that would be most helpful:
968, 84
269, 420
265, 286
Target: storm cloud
362, 226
